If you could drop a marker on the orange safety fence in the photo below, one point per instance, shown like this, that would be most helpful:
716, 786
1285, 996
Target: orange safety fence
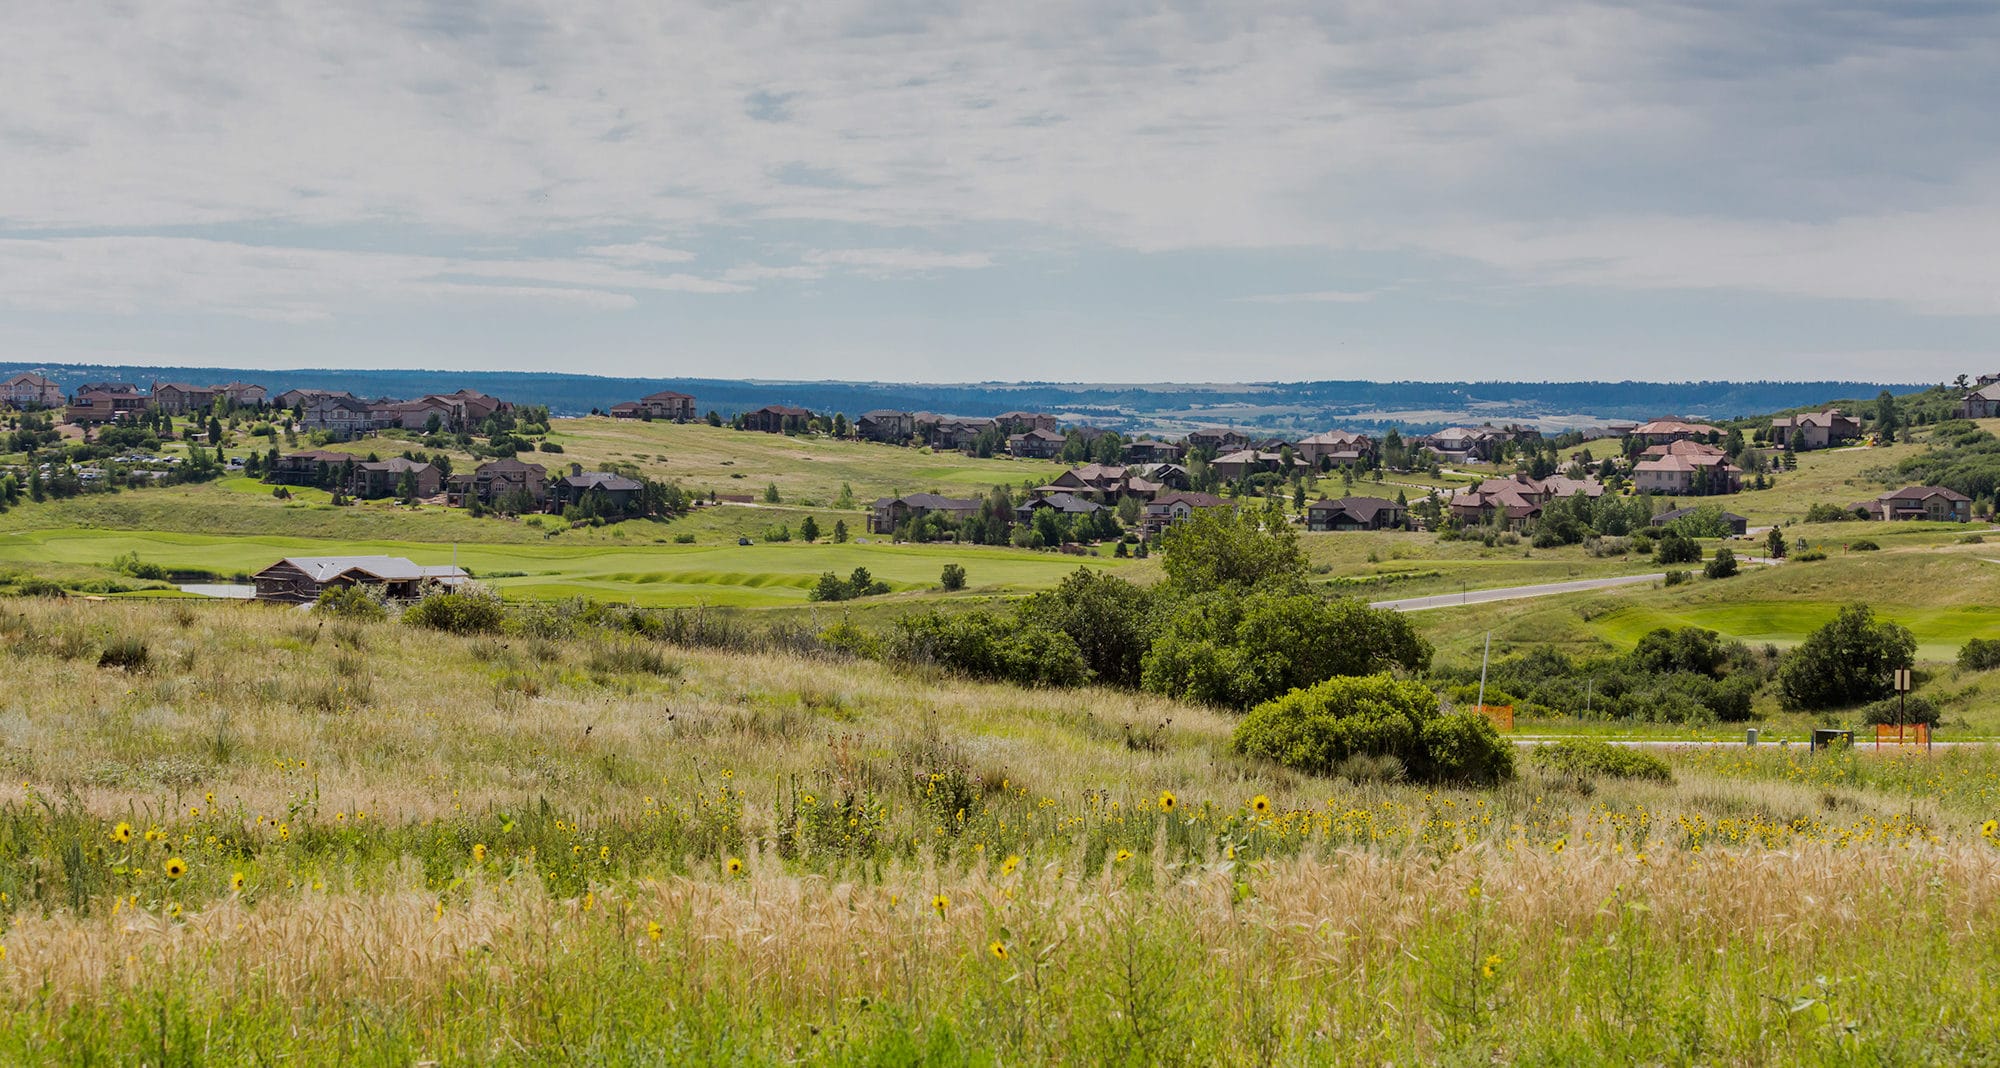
1903, 734
1502, 716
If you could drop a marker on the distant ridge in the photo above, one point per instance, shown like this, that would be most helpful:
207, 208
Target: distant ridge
1276, 405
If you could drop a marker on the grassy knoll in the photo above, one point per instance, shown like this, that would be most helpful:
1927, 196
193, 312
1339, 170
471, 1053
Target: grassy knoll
277, 840
807, 471
1378, 565
760, 574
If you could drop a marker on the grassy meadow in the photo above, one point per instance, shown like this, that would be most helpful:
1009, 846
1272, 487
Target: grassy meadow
280, 837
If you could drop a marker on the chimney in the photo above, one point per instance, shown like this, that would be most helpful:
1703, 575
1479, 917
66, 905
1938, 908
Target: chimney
576, 469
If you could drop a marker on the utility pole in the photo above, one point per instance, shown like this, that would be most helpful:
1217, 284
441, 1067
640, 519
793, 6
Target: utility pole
1483, 658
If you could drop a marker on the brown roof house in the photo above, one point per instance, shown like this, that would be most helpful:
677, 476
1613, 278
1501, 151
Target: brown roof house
886, 425
619, 491
1815, 430
889, 513
1022, 422
1336, 447
1687, 474
1661, 431
105, 404
1216, 438
1235, 465
777, 419
374, 479
500, 480
315, 467
1167, 509
1355, 513
1152, 452
30, 390
665, 404
1934, 503
301, 579
1036, 444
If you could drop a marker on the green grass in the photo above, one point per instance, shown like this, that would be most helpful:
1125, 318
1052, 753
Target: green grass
727, 574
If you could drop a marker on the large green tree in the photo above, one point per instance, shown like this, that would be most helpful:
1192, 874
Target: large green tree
1850, 660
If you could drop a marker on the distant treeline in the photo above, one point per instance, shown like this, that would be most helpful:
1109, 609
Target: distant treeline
1354, 404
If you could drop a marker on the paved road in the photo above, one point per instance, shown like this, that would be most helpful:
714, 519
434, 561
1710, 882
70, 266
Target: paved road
1513, 593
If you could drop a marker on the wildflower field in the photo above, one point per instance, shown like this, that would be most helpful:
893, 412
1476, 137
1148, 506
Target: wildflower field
250, 835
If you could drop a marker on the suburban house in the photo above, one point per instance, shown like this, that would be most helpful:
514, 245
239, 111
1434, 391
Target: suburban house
340, 414
665, 404
1152, 452
301, 579
1919, 502
1737, 524
887, 425
1036, 444
777, 419
1815, 430
1022, 422
1167, 509
1662, 431
105, 404
179, 398
1464, 444
1164, 476
299, 398
1216, 440
618, 490
498, 479
1103, 483
1355, 513
1679, 474
379, 478
1981, 403
889, 513
411, 415
944, 432
312, 468
1683, 447
1336, 446
1510, 503
1064, 503
1235, 465
30, 390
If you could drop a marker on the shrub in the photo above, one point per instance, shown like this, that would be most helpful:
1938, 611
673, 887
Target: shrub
988, 646
1587, 758
124, 652
1980, 654
1908, 710
1808, 556
1675, 578
351, 602
1722, 565
1234, 650
683, 539
1863, 545
1848, 661
1828, 513
845, 637
953, 577
457, 612
1676, 548
1973, 539
1320, 729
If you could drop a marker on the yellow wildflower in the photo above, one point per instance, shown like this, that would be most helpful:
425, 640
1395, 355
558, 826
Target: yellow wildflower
998, 949
122, 832
1261, 805
175, 867
940, 902
1168, 801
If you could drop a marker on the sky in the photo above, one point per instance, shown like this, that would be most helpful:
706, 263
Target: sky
1094, 190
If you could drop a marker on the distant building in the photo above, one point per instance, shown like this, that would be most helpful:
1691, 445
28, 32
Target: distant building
1356, 513
374, 479
316, 467
1167, 509
619, 491
1152, 452
301, 579
1235, 465
886, 425
1684, 475
1338, 447
1934, 503
1036, 444
888, 513
1216, 439
1022, 422
1062, 503
105, 403
664, 405
1981, 403
777, 419
1815, 430
1662, 431
497, 480
30, 390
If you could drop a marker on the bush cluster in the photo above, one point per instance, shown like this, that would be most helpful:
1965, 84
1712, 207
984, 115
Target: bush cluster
1318, 729
1589, 758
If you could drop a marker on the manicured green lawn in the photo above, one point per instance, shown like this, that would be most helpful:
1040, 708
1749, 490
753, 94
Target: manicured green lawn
761, 574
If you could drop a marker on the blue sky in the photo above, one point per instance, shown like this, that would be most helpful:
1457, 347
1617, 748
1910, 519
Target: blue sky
955, 192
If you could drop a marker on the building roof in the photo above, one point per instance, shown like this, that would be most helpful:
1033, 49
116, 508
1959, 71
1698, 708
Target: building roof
1335, 437
885, 413
664, 396
1038, 434
1364, 509
786, 410
1064, 502
1677, 462
1922, 493
1683, 447
1192, 500
604, 480
1675, 426
510, 464
394, 465
323, 569
27, 378
1826, 419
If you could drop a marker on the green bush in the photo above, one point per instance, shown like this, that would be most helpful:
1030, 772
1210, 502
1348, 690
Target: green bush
1676, 548
1228, 649
1809, 556
1863, 545
683, 539
1675, 578
1912, 709
352, 602
1319, 729
1828, 513
1846, 662
124, 652
1722, 565
1979, 654
457, 612
988, 646
953, 577
1587, 758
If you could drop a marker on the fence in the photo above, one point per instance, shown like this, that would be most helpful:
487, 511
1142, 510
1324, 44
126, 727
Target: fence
1502, 716
1903, 734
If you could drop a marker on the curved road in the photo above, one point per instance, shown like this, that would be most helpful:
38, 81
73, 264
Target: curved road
1513, 593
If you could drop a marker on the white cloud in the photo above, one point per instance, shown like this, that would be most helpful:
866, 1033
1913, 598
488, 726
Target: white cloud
640, 252
891, 261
